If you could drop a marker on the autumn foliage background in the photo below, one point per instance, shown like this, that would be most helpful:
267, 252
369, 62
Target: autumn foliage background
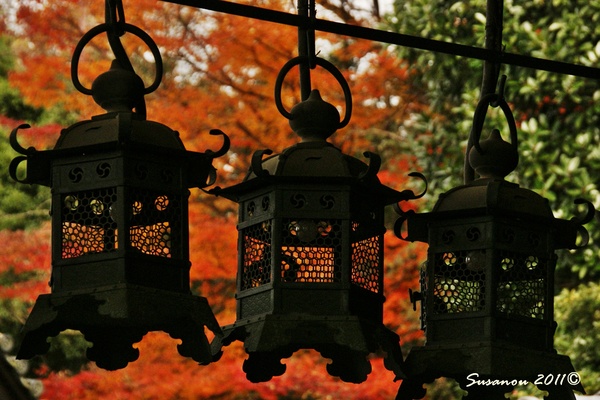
412, 107
219, 73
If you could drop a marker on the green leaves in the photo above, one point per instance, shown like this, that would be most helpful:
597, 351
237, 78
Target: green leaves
557, 115
578, 333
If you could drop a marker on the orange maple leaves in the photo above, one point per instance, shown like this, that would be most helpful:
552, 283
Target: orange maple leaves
220, 72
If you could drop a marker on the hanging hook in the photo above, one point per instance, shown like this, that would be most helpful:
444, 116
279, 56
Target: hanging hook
306, 44
310, 35
114, 16
499, 99
491, 68
329, 67
115, 27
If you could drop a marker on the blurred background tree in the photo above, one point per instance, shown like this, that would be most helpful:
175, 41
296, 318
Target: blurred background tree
557, 115
412, 107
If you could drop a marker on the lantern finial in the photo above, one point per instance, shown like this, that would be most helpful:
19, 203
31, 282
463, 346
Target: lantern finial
118, 89
314, 119
493, 158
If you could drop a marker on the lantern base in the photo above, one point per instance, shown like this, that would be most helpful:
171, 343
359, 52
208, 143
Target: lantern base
489, 370
114, 318
346, 340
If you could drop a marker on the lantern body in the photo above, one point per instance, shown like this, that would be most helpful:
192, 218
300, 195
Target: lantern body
490, 276
488, 289
120, 211
310, 271
120, 257
316, 247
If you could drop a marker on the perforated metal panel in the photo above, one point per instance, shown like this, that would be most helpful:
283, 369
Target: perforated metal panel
154, 218
522, 285
459, 281
311, 251
88, 225
366, 264
256, 255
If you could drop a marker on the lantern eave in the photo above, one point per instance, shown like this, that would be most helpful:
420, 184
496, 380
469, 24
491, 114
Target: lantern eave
378, 193
495, 196
127, 309
346, 340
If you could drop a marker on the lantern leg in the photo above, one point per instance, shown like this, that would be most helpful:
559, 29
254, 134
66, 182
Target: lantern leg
347, 341
114, 318
411, 390
193, 345
51, 315
349, 366
113, 347
262, 366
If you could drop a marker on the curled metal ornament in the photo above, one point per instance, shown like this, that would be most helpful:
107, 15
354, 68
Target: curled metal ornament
26, 152
373, 168
407, 195
257, 162
224, 148
587, 216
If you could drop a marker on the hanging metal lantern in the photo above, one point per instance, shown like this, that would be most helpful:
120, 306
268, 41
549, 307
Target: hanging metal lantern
310, 272
120, 257
487, 288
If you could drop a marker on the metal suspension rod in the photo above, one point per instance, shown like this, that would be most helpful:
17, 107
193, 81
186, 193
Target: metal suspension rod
399, 39
491, 68
305, 11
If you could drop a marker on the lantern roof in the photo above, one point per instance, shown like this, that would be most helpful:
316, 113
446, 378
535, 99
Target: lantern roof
494, 196
119, 127
315, 163
314, 160
499, 198
119, 91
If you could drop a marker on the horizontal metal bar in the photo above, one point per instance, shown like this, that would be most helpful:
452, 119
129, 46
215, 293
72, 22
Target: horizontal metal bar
399, 39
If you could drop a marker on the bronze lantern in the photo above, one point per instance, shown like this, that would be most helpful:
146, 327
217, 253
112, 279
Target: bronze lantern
310, 249
120, 257
487, 288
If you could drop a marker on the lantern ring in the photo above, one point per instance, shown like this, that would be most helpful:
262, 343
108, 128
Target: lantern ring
105, 27
495, 100
327, 66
